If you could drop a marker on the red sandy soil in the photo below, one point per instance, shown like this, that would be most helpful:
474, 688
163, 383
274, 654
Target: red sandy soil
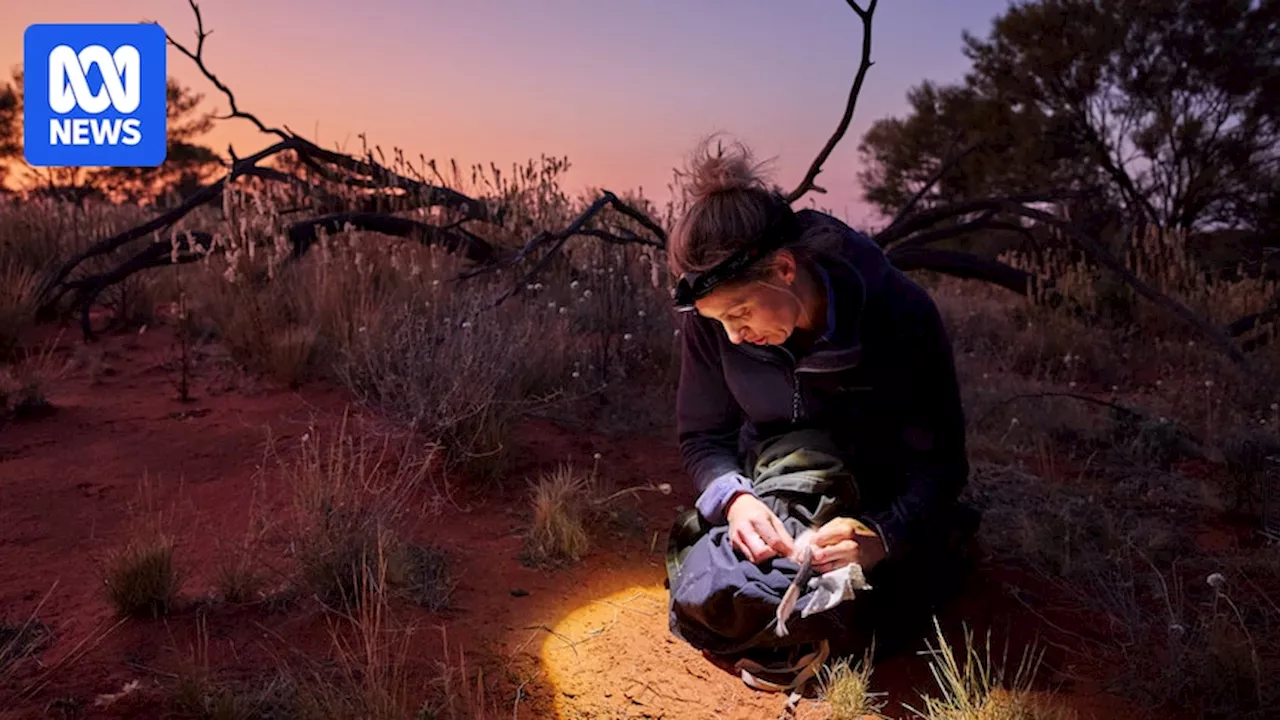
589, 641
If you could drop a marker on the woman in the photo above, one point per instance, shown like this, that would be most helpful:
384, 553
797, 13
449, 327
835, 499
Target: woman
817, 397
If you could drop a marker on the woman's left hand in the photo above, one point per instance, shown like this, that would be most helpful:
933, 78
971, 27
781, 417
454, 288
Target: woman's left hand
843, 541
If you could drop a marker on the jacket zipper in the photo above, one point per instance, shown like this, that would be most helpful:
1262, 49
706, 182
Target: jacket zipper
795, 386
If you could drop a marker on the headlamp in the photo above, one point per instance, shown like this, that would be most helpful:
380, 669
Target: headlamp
782, 229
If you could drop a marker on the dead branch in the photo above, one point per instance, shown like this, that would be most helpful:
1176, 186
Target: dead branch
385, 178
198, 58
947, 167
161, 223
389, 191
378, 176
557, 240
622, 237
922, 239
186, 247
1124, 412
302, 235
925, 219
1259, 321
807, 183
1249, 323
965, 266
1103, 256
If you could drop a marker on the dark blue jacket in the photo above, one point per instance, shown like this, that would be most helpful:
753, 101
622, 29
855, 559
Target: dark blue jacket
882, 382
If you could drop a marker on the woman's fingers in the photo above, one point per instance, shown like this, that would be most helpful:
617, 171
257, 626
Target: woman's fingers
786, 544
753, 546
773, 535
833, 532
835, 555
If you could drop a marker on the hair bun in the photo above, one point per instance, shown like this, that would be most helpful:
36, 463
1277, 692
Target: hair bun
719, 167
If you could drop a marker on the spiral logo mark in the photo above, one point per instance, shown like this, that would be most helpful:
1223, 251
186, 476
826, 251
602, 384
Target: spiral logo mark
69, 84
95, 95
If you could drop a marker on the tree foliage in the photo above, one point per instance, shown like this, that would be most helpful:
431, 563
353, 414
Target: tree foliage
10, 129
1172, 107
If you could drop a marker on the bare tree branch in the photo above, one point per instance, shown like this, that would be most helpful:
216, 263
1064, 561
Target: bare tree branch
198, 58
947, 167
966, 266
379, 176
577, 227
918, 240
179, 250
928, 218
807, 183
622, 237
158, 224
1103, 256
302, 235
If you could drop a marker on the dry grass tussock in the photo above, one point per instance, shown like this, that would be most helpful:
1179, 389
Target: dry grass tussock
572, 509
353, 495
25, 383
845, 686
561, 502
140, 575
390, 321
976, 687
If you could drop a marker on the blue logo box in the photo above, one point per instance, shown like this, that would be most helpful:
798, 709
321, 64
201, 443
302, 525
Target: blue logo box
94, 95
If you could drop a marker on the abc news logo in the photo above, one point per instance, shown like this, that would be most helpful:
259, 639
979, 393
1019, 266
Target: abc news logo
69, 89
95, 95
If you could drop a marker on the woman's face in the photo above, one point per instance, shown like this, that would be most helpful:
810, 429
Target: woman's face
762, 312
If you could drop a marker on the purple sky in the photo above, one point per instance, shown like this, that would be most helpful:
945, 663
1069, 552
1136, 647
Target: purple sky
623, 89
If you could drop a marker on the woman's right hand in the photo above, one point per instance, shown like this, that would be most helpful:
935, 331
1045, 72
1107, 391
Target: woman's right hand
755, 531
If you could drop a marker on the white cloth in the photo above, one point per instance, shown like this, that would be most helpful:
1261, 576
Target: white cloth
834, 587
830, 589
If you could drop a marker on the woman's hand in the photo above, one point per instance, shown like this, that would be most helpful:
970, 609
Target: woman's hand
845, 540
755, 531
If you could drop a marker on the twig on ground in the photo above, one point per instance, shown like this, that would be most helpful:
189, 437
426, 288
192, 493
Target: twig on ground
567, 641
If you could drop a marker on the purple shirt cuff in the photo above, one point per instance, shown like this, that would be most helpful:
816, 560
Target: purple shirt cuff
711, 503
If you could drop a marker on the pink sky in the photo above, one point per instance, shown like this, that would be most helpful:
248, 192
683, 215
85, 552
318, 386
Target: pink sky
623, 89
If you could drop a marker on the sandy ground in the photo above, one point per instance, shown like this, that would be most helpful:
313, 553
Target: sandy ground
588, 641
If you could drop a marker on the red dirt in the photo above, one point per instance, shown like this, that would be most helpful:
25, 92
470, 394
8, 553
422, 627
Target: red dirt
587, 641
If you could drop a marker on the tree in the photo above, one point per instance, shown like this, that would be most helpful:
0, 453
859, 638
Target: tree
1169, 105
1006, 149
10, 129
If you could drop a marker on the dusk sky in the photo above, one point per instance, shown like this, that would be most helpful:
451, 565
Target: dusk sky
623, 89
